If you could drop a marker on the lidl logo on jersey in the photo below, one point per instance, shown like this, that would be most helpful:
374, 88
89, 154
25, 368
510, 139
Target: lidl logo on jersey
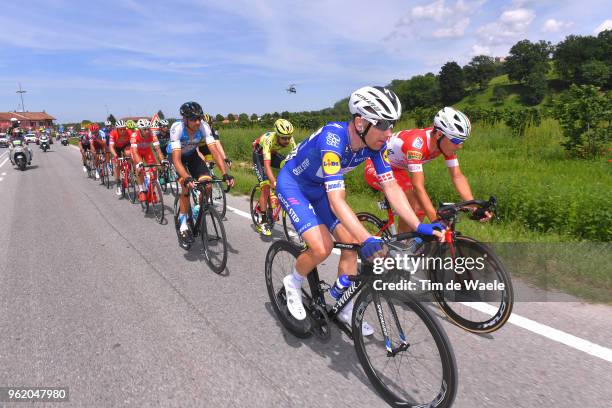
414, 155
418, 143
330, 163
386, 155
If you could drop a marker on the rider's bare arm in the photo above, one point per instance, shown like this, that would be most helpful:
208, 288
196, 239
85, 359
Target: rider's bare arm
400, 204
418, 181
338, 204
461, 183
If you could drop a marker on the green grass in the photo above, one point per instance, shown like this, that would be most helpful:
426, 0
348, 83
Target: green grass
515, 93
551, 205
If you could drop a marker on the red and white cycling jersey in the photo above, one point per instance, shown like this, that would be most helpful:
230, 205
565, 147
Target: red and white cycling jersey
121, 139
410, 149
144, 143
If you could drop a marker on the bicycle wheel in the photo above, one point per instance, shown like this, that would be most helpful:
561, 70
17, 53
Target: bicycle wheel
164, 176
412, 363
218, 199
257, 217
475, 310
290, 233
158, 201
373, 224
280, 260
108, 170
131, 189
173, 181
214, 241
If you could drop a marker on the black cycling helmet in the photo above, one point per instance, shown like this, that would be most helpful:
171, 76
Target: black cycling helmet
191, 110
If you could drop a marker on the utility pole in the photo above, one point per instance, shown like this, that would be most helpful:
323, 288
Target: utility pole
21, 92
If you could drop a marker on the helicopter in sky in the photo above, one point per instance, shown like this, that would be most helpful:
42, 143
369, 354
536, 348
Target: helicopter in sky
291, 89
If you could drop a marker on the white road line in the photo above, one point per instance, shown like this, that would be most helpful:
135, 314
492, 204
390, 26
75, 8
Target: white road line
538, 328
5, 160
557, 335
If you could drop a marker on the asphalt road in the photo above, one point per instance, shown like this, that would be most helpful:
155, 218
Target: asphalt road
97, 297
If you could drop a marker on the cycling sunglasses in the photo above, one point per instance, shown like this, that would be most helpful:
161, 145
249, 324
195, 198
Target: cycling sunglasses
383, 124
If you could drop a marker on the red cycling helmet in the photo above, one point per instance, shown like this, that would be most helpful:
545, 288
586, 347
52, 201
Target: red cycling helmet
94, 127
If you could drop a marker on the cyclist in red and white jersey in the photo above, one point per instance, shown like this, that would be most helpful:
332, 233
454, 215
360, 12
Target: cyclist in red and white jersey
119, 144
142, 142
97, 144
410, 149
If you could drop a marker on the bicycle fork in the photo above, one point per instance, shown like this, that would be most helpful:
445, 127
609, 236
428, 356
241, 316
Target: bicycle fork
391, 352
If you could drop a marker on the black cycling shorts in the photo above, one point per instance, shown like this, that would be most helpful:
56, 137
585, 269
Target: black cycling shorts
258, 166
195, 165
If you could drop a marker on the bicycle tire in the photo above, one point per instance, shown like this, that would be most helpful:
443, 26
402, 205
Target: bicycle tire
211, 231
373, 224
463, 315
131, 186
253, 202
284, 253
218, 199
164, 175
425, 337
158, 202
290, 233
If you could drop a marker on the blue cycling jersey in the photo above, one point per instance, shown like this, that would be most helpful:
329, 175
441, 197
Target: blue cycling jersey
179, 139
326, 156
322, 160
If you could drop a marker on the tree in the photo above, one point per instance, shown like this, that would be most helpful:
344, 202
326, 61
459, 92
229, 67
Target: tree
243, 117
231, 117
480, 70
161, 114
536, 86
526, 57
111, 119
572, 53
596, 73
584, 115
451, 80
219, 118
254, 117
499, 94
418, 91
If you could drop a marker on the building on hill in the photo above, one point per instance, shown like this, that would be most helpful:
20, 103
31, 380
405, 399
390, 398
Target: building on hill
500, 59
29, 120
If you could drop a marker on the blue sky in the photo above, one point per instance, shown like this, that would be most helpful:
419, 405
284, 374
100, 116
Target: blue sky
76, 60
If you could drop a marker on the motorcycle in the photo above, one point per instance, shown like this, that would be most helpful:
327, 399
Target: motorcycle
44, 143
20, 155
64, 140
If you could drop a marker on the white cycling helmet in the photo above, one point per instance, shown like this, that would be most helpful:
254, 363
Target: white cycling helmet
375, 104
120, 123
164, 122
453, 124
107, 123
143, 124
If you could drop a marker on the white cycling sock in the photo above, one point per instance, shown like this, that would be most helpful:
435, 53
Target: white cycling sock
297, 278
348, 310
141, 187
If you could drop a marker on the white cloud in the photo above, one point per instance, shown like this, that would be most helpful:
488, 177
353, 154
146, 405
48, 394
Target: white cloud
510, 25
480, 50
606, 25
452, 19
552, 26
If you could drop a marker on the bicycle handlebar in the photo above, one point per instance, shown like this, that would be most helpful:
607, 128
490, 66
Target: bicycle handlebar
447, 211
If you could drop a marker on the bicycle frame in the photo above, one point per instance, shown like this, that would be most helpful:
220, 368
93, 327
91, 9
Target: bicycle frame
358, 282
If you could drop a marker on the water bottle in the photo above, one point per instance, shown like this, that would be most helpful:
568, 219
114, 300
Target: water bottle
195, 211
414, 244
147, 180
340, 286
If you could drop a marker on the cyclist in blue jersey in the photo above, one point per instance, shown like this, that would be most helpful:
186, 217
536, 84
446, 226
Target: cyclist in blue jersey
310, 188
185, 137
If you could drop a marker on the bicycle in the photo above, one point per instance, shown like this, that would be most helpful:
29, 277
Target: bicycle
89, 164
217, 193
169, 178
103, 169
456, 304
406, 332
274, 212
127, 179
204, 221
155, 197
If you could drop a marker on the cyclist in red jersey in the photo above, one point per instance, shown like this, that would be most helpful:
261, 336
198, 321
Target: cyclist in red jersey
410, 149
119, 144
96, 143
142, 140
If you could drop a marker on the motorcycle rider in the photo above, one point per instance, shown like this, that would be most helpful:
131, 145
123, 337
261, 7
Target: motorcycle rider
16, 135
